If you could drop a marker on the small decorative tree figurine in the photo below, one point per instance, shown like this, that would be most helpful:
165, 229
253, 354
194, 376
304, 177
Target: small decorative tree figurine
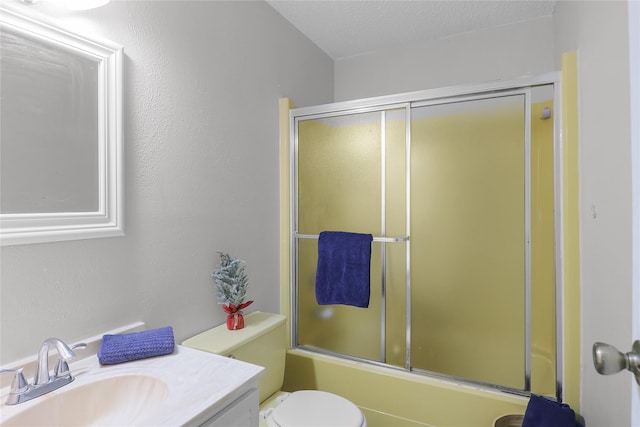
231, 284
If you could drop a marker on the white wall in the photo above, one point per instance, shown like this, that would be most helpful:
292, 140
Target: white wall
598, 31
202, 83
501, 53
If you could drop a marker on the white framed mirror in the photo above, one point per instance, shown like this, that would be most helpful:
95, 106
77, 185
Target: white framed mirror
61, 145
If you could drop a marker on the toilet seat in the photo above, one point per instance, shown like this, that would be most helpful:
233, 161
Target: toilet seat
315, 408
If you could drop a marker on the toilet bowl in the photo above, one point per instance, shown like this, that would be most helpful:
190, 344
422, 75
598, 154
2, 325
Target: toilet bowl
263, 342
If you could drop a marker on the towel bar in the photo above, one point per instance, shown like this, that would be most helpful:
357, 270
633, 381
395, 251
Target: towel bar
375, 239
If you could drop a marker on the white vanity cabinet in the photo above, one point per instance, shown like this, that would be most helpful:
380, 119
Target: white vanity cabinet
232, 399
243, 412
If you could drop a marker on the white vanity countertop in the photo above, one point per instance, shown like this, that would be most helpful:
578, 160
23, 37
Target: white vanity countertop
198, 384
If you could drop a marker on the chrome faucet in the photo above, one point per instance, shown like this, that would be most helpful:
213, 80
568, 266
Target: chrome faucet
43, 381
42, 371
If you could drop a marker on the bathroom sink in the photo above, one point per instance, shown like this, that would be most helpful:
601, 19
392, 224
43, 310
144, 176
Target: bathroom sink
185, 388
120, 400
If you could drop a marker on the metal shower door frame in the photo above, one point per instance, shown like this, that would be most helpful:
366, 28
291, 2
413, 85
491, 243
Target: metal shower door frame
408, 101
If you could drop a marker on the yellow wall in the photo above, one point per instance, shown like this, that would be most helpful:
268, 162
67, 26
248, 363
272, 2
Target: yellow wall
571, 231
284, 105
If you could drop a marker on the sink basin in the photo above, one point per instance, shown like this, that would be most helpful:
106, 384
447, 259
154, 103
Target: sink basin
117, 400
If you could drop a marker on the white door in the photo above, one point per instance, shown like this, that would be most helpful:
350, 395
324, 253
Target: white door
634, 73
634, 65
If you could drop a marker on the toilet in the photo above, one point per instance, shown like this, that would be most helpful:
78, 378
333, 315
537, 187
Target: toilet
263, 342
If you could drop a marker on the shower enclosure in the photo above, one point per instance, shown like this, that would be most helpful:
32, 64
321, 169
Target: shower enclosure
457, 186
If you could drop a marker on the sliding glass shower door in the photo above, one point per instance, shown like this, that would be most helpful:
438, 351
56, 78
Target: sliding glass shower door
468, 252
345, 164
458, 193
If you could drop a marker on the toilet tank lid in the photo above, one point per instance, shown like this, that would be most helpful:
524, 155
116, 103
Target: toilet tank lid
220, 340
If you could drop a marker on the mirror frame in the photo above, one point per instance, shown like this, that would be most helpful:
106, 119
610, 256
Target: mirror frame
108, 219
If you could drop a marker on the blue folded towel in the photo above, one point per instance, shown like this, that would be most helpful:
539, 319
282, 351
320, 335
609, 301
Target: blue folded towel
343, 271
542, 412
136, 345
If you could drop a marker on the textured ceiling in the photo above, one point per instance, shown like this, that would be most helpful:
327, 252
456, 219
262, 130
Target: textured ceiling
344, 28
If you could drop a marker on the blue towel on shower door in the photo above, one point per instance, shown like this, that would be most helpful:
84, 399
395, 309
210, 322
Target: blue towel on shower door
343, 272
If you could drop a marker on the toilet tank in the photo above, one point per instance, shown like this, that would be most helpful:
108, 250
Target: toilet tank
262, 341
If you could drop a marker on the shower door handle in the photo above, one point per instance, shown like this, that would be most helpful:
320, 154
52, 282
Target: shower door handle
609, 360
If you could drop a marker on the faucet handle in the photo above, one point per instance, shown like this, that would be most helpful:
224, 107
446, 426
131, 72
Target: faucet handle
62, 368
80, 346
19, 383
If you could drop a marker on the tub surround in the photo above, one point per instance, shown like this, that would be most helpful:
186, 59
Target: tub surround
389, 397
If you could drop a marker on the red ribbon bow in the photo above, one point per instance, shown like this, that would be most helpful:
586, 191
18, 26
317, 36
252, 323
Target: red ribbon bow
233, 309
